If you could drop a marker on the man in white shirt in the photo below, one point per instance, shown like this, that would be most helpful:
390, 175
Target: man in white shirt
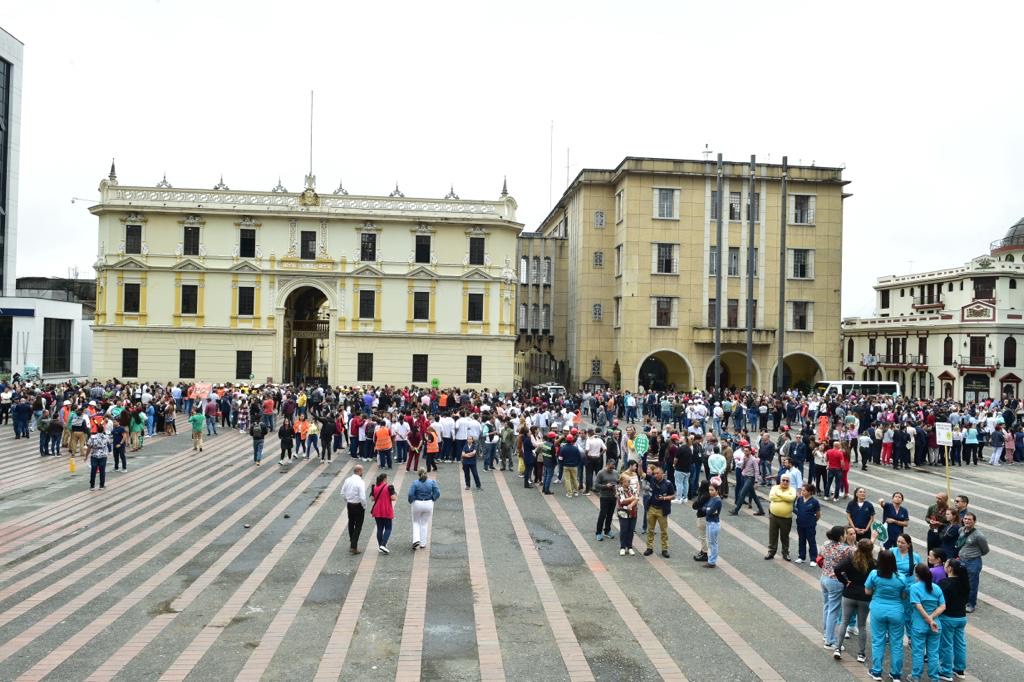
401, 430
354, 492
447, 425
462, 426
593, 452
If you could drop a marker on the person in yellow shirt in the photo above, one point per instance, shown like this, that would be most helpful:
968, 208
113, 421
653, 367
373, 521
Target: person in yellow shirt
780, 516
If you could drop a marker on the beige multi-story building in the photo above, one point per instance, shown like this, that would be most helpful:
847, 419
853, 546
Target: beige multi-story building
222, 285
618, 281
948, 333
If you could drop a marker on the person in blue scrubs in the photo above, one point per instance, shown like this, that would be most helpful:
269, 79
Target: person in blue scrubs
887, 591
928, 603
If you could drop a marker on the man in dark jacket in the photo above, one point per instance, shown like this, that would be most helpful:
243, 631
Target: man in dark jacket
662, 493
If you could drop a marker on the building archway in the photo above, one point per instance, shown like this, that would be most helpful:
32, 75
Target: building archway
733, 371
306, 347
665, 369
799, 370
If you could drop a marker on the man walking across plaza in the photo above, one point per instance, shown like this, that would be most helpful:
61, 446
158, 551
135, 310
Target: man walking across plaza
780, 516
662, 492
354, 492
98, 446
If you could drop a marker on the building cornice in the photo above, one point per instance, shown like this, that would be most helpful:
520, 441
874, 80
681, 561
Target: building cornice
176, 200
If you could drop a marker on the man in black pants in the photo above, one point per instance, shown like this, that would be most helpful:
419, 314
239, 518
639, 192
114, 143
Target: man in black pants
354, 492
604, 484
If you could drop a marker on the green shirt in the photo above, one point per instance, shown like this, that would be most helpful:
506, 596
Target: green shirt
197, 421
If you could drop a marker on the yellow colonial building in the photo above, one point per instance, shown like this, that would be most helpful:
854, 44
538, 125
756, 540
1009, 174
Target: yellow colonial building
618, 282
223, 285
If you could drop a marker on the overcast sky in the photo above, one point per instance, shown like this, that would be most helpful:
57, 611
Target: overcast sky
922, 101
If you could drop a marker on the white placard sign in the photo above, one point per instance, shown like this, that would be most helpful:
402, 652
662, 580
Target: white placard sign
944, 434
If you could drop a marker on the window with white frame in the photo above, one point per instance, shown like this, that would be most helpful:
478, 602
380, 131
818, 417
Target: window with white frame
735, 206
666, 203
665, 259
599, 259
801, 208
734, 261
800, 315
598, 219
618, 259
597, 312
620, 205
712, 261
521, 317
663, 311
801, 263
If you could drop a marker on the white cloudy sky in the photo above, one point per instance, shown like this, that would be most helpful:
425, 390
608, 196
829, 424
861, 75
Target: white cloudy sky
921, 100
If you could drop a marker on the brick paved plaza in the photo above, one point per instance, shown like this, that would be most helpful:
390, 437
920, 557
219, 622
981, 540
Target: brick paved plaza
204, 567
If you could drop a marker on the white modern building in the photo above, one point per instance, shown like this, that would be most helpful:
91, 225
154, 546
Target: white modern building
949, 333
37, 336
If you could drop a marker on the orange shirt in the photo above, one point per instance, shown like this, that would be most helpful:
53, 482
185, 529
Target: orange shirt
433, 443
382, 438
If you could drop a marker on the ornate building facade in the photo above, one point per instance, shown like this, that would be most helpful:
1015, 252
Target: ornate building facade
222, 285
617, 284
948, 333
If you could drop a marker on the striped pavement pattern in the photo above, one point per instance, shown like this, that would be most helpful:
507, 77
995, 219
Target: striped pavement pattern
202, 566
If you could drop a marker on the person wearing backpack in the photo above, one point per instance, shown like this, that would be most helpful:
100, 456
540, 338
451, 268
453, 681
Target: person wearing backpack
258, 431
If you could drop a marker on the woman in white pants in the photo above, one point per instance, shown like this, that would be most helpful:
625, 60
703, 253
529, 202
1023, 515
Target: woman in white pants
422, 494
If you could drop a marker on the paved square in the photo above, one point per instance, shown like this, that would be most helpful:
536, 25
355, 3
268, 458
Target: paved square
205, 567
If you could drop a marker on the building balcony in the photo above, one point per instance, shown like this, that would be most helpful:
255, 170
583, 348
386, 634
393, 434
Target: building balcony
976, 363
1015, 242
928, 302
731, 335
902, 360
309, 329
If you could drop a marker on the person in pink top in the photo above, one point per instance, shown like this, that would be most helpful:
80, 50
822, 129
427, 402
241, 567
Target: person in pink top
383, 510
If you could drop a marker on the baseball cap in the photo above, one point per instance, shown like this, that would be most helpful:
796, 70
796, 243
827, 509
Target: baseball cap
552, 435
570, 439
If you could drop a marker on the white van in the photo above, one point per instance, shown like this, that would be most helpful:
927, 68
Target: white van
826, 388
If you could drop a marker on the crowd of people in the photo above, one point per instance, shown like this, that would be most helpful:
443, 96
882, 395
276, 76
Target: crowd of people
642, 454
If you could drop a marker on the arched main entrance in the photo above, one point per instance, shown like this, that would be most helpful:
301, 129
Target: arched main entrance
799, 370
733, 366
664, 370
307, 329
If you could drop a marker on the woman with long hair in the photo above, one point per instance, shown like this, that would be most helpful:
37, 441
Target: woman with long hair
853, 571
928, 603
383, 511
832, 553
956, 589
906, 560
422, 494
887, 591
626, 501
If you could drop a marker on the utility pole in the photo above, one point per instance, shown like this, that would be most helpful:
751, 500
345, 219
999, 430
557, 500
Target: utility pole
718, 284
781, 333
751, 264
